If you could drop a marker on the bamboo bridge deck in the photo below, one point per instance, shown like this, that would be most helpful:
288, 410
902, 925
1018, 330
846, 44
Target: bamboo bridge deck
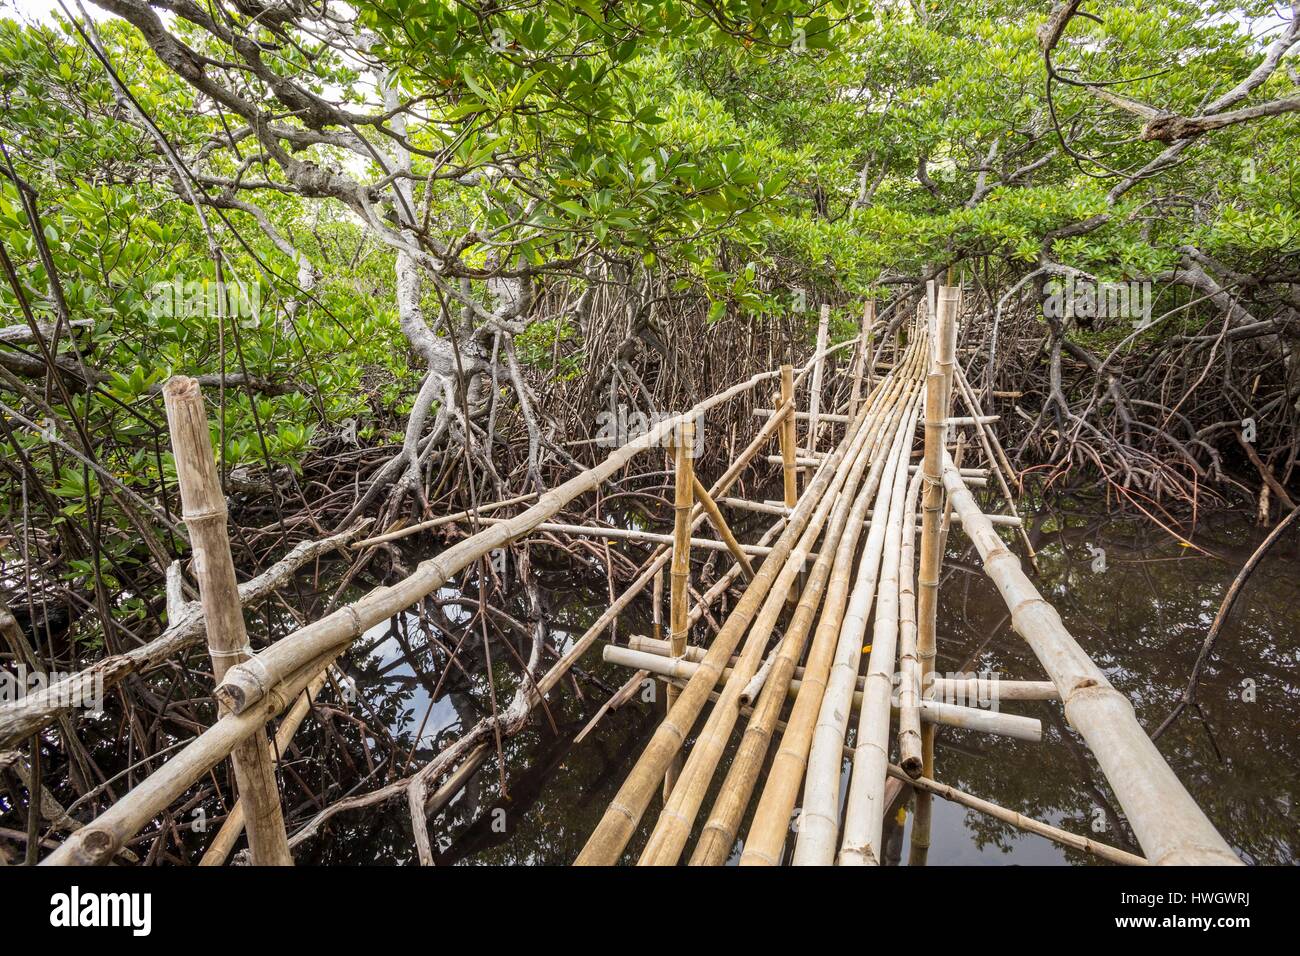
834, 627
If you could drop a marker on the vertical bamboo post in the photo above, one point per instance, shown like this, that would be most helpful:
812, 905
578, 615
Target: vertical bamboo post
787, 437
815, 389
938, 387
863, 365
204, 512
683, 502
788, 451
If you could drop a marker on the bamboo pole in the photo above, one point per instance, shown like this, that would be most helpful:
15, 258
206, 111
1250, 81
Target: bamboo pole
997, 460
636, 534
947, 690
1168, 824
787, 439
823, 417
624, 812
657, 605
864, 817
204, 512
937, 385
440, 521
863, 363
671, 831
819, 821
719, 834
909, 687
720, 525
224, 842
815, 390
771, 819
1101, 851
1000, 724
680, 577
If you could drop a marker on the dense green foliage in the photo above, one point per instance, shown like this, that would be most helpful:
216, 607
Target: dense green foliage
745, 157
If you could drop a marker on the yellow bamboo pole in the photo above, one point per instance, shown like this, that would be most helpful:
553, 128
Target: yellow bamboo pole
672, 829
620, 819
723, 529
680, 577
720, 830
771, 821
938, 386
204, 511
787, 439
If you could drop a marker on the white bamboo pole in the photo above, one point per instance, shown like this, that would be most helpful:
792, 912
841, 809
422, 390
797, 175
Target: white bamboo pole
947, 690
864, 817
909, 686
815, 390
1014, 726
636, 534
441, 520
1168, 824
823, 417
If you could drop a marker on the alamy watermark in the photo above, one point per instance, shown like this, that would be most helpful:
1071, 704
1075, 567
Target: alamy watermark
1076, 298
206, 298
978, 689
22, 682
614, 429
77, 908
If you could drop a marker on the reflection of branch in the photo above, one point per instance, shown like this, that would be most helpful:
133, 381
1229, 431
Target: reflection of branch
1229, 599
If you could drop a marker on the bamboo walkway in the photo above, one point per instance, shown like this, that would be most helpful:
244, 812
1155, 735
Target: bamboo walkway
835, 627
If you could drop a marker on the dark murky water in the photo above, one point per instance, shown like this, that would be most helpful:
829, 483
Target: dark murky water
1142, 619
